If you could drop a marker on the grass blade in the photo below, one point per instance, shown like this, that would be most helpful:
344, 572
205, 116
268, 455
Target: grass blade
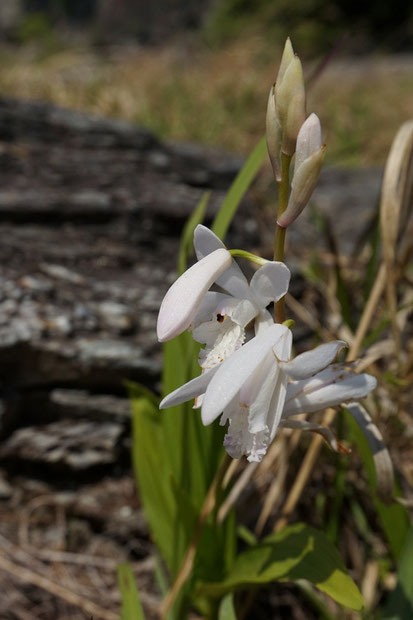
238, 188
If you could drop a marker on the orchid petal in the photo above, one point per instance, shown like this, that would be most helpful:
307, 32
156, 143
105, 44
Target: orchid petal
351, 387
189, 390
183, 299
282, 348
233, 280
311, 362
208, 307
234, 371
270, 282
263, 321
277, 404
257, 393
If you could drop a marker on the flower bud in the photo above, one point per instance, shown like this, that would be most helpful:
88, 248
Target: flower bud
290, 104
273, 133
287, 57
308, 161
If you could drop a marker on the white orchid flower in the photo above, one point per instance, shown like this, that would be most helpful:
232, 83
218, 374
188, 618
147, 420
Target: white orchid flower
223, 317
219, 320
257, 389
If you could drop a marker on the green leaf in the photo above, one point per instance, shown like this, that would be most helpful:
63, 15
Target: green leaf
185, 247
227, 609
400, 603
131, 604
296, 552
238, 188
153, 476
394, 517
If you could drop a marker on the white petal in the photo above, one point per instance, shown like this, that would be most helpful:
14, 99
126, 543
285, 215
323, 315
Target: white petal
239, 440
182, 301
309, 363
189, 390
270, 282
282, 348
308, 140
277, 405
221, 340
351, 387
233, 280
233, 373
207, 308
257, 393
263, 321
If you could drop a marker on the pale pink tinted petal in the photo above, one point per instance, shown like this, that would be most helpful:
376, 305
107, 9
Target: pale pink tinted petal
352, 387
309, 363
233, 280
189, 390
270, 282
182, 301
234, 371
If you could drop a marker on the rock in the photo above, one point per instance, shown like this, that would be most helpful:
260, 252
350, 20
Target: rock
76, 446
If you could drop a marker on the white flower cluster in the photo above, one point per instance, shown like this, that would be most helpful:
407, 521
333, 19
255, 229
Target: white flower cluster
252, 382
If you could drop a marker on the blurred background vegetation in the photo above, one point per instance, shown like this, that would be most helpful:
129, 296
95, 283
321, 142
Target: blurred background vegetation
199, 70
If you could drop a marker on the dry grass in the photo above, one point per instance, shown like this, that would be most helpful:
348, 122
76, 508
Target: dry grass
187, 92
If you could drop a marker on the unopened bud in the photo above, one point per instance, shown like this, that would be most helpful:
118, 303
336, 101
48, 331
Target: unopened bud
273, 133
309, 158
290, 104
287, 57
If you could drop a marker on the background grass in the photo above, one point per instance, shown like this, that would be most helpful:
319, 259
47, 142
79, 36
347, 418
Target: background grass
190, 92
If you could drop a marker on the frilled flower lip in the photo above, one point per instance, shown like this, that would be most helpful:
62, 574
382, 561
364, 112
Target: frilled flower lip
183, 299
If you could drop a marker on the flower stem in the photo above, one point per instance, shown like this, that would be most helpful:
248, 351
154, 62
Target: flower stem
279, 236
253, 258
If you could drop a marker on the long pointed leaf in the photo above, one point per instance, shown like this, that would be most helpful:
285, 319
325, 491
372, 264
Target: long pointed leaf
131, 604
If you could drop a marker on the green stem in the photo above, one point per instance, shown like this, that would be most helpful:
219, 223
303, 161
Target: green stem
279, 236
253, 258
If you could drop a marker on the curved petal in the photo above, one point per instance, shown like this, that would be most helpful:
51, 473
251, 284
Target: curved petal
308, 140
189, 390
235, 371
351, 387
277, 405
270, 282
233, 280
309, 363
182, 301
257, 393
282, 348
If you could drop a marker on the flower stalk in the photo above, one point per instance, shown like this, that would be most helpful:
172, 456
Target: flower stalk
279, 236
